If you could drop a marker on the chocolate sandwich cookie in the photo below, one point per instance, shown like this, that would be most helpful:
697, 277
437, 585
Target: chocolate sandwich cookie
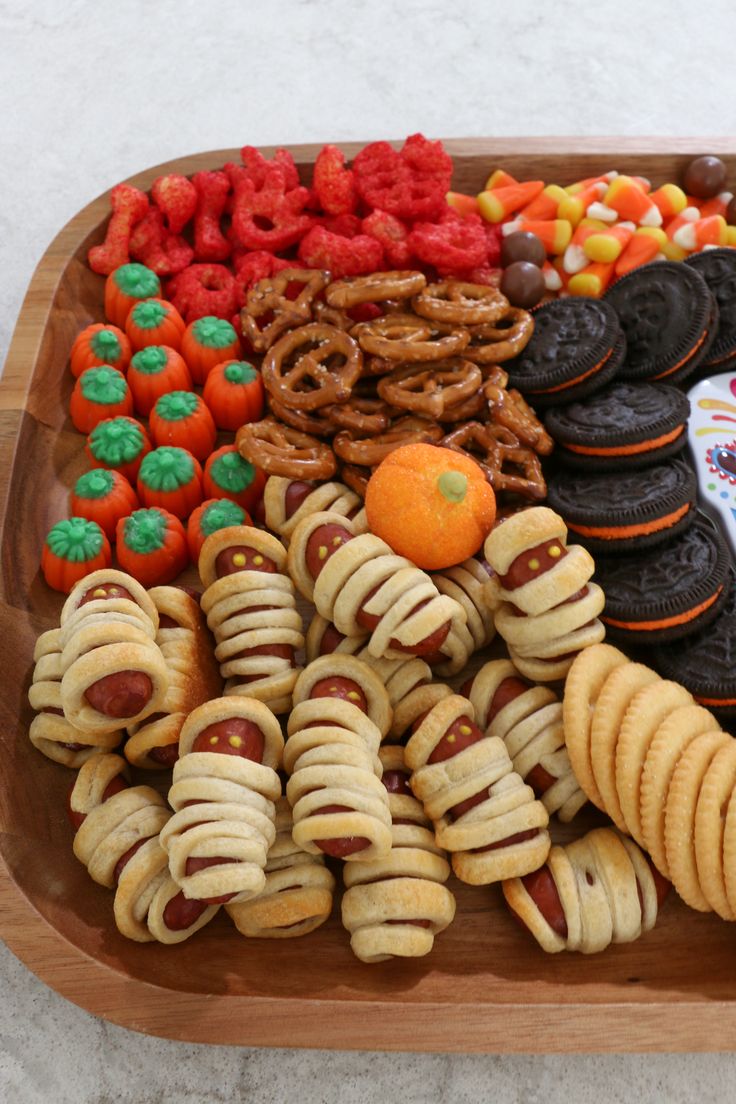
667, 592
669, 317
628, 425
705, 662
718, 269
620, 512
576, 348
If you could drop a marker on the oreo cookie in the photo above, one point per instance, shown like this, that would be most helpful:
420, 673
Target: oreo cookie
667, 592
705, 662
576, 348
628, 425
620, 512
718, 269
669, 318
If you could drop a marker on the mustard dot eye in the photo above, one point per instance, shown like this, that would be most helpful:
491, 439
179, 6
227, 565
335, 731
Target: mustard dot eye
555, 551
234, 741
239, 559
534, 564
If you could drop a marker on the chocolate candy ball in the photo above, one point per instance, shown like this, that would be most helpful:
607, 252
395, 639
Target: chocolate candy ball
522, 246
704, 177
523, 284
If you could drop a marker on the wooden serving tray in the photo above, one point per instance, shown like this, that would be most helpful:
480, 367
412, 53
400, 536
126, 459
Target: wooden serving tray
486, 986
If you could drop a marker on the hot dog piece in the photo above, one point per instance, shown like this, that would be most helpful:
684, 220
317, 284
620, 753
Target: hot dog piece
296, 492
540, 885
243, 558
289, 501
123, 694
339, 687
323, 543
232, 736
105, 591
531, 563
181, 912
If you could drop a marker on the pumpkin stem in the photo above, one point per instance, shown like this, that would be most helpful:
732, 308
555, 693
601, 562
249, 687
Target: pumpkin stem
453, 485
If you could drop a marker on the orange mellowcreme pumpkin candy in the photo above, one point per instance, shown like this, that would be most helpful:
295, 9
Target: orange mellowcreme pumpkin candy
430, 504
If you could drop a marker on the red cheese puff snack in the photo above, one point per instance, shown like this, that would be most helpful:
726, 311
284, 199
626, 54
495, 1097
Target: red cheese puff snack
152, 546
342, 256
73, 549
347, 225
234, 393
228, 475
129, 205
453, 244
257, 165
103, 496
125, 287
411, 184
213, 190
206, 342
393, 235
280, 208
333, 183
204, 289
99, 393
213, 514
181, 418
154, 322
171, 478
157, 248
153, 372
99, 344
176, 197
118, 444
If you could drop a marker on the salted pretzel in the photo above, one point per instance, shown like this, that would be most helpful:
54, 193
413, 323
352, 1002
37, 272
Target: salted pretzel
362, 415
369, 451
528, 719
268, 300
341, 713
496, 342
297, 896
595, 891
510, 410
483, 813
431, 390
356, 581
50, 732
507, 466
312, 366
376, 288
396, 906
194, 678
407, 338
223, 790
316, 423
289, 501
466, 583
251, 609
281, 450
356, 478
461, 303
113, 673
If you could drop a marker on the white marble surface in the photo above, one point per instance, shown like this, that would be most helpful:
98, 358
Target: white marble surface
91, 92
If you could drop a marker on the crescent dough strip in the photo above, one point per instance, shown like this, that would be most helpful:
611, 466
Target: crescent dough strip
606, 891
482, 838
531, 727
297, 896
407, 885
334, 496
466, 583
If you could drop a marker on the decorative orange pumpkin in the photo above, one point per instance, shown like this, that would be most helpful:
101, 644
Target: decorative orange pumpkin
153, 372
205, 343
154, 322
233, 391
103, 496
171, 479
73, 548
118, 444
430, 504
181, 418
213, 514
152, 546
125, 287
99, 393
228, 475
99, 344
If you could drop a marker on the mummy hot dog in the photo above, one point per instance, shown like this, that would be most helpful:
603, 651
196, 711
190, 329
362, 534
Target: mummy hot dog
358, 583
548, 607
396, 905
289, 501
297, 896
251, 609
598, 890
528, 719
341, 712
194, 678
224, 787
467, 583
113, 672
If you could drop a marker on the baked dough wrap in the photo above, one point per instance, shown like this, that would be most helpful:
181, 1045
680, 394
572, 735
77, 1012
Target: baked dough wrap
598, 879
332, 756
334, 496
467, 584
232, 817
532, 729
509, 809
139, 607
297, 896
365, 564
50, 732
92, 780
110, 830
194, 675
405, 885
252, 609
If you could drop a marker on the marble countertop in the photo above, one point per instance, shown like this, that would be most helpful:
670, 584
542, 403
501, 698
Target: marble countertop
92, 93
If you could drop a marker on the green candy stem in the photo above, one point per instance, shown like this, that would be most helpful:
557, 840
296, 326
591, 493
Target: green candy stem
104, 385
137, 281
231, 472
116, 441
221, 515
150, 361
105, 345
240, 371
94, 484
176, 405
144, 531
453, 485
167, 469
214, 333
149, 314
75, 540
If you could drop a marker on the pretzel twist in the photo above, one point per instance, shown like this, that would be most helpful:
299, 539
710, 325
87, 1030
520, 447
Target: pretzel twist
431, 389
461, 303
369, 451
494, 343
510, 410
281, 450
407, 338
334, 496
268, 299
507, 466
375, 288
314, 379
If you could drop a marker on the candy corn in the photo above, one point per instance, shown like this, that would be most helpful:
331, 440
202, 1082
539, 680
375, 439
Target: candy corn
554, 234
700, 233
606, 246
593, 280
499, 179
670, 200
575, 258
499, 203
628, 199
644, 245
573, 207
546, 204
464, 204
